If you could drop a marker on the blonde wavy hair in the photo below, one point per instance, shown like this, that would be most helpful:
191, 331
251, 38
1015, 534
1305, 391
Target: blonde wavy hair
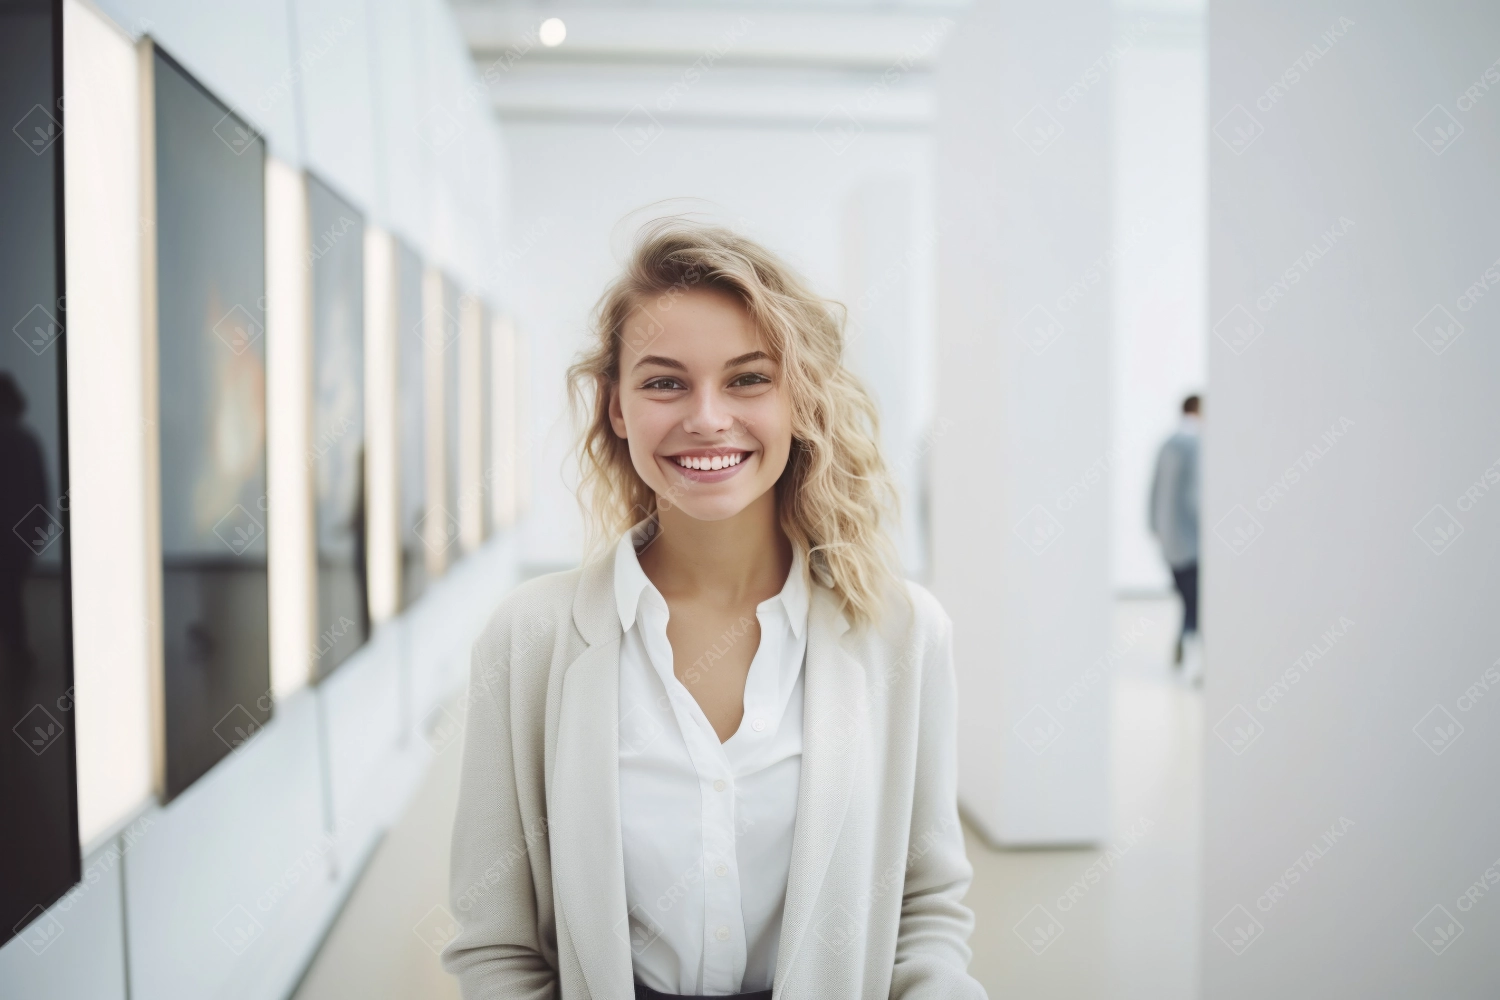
836, 496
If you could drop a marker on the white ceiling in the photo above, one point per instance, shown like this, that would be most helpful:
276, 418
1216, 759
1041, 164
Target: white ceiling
747, 62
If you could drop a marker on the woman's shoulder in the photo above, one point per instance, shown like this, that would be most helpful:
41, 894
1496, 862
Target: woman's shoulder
927, 613
530, 615
910, 620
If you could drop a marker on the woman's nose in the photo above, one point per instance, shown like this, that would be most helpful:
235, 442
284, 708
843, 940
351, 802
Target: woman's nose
710, 415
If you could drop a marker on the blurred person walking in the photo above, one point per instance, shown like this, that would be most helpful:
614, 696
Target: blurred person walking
1174, 522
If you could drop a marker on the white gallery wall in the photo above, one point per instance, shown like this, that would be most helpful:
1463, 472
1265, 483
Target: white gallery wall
226, 891
1020, 484
1351, 509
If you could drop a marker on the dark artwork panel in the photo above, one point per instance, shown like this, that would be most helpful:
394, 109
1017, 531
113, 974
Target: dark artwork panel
338, 426
211, 286
39, 857
411, 401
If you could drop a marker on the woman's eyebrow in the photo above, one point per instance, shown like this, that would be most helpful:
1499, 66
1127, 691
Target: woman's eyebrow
657, 359
746, 358
664, 362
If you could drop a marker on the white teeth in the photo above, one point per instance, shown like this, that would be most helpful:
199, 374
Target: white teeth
709, 464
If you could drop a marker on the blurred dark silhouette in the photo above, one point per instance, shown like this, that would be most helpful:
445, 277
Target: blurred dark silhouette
1174, 522
23, 488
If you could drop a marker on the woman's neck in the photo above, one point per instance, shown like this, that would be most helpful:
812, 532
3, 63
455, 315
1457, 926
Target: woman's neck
738, 560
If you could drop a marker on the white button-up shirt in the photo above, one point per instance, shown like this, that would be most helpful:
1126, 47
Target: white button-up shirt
707, 826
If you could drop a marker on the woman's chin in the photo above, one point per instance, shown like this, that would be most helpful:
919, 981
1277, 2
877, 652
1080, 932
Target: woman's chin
711, 508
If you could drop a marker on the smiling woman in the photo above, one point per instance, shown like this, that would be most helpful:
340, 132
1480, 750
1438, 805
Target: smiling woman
740, 719
721, 300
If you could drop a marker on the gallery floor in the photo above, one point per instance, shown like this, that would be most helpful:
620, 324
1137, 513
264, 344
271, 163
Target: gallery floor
1127, 929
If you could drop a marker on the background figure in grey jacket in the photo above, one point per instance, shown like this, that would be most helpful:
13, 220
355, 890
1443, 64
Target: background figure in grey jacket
1174, 516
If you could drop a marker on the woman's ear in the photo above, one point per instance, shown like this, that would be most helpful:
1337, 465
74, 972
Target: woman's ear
616, 414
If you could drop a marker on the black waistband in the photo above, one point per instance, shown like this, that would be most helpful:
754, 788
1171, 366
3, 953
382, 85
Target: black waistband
647, 993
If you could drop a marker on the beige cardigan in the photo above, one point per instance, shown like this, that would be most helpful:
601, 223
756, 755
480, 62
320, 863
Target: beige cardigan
878, 871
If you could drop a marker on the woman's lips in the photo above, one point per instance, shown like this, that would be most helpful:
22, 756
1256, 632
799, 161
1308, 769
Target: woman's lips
710, 475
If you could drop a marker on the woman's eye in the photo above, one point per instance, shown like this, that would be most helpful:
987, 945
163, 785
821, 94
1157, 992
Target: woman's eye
662, 383
749, 378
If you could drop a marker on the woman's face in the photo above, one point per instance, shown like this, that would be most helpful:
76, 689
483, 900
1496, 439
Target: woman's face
701, 404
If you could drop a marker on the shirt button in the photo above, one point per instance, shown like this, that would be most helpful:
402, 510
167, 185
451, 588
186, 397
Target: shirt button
721, 871
722, 934
759, 724
719, 785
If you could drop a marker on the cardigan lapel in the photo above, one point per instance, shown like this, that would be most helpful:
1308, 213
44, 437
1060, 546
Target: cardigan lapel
584, 803
833, 724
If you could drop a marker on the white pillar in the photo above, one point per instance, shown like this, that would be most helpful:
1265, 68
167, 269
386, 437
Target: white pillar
1352, 501
1020, 471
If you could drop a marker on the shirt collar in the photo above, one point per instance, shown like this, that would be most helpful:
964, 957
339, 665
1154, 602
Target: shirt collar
631, 581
